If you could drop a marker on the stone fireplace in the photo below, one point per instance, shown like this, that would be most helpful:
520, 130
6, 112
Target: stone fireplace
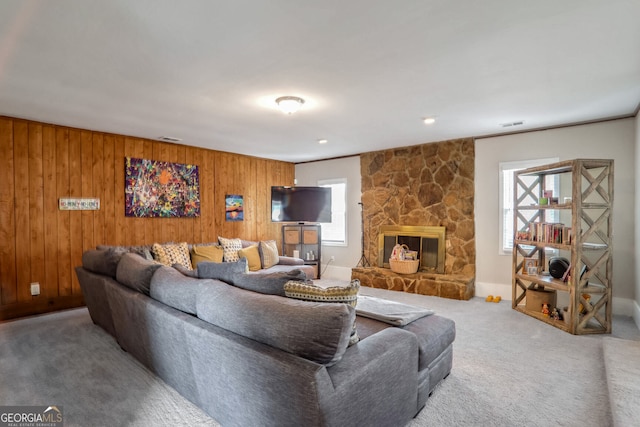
427, 241
414, 188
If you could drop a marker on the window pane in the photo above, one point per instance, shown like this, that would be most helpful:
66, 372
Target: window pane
336, 231
507, 170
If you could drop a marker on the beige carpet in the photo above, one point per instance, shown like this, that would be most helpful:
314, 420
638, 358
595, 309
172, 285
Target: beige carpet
622, 363
508, 370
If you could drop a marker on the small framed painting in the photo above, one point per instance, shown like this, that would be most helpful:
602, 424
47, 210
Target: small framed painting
233, 207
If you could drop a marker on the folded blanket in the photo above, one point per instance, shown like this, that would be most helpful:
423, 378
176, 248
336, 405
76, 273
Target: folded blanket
391, 312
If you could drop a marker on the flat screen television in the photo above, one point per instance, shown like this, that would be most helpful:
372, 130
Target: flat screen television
300, 204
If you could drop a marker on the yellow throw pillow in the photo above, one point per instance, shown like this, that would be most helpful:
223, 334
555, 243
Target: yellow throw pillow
209, 253
172, 253
252, 255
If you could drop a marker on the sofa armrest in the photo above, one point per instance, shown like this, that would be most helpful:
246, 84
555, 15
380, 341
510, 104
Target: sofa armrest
287, 260
379, 373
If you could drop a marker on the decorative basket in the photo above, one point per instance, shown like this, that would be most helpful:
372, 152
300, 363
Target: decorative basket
404, 266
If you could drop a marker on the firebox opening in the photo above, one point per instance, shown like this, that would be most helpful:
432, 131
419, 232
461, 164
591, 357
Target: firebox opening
427, 241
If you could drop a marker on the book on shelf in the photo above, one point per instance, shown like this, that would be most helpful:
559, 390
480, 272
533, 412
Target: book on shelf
548, 232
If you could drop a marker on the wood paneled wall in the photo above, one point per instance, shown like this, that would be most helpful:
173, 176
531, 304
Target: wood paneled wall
40, 163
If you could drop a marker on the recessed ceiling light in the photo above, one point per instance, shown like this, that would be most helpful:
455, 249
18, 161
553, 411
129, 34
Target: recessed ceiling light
323, 141
429, 120
507, 125
169, 139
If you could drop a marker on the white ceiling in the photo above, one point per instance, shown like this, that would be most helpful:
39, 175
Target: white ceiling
370, 70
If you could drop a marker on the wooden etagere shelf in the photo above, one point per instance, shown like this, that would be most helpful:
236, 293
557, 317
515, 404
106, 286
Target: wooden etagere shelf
585, 240
306, 239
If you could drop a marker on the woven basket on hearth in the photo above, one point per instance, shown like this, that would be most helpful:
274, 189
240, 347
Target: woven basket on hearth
404, 266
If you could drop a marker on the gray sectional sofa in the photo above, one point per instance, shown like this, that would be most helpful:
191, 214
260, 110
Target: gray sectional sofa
249, 356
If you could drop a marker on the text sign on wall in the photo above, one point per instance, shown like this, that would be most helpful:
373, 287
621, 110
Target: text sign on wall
79, 204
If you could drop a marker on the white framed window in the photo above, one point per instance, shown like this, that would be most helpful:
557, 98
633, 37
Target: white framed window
335, 232
506, 170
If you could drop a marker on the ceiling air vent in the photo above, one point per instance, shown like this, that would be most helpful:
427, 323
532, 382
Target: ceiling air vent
169, 139
508, 125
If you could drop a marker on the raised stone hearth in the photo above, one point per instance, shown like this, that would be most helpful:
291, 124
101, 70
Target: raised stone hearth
451, 286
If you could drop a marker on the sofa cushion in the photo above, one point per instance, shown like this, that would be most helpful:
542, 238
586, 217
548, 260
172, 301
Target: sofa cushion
314, 331
252, 255
185, 271
172, 253
201, 253
103, 261
247, 243
143, 250
309, 270
270, 283
230, 248
135, 272
176, 290
434, 333
333, 294
289, 260
269, 253
225, 271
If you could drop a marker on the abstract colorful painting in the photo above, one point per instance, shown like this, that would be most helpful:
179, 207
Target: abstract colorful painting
233, 207
161, 189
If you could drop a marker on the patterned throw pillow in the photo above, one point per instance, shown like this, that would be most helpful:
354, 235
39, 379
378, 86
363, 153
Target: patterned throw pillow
334, 294
230, 248
269, 253
172, 253
210, 253
253, 257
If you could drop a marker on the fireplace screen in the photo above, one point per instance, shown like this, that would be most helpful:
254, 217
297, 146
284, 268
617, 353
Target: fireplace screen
429, 242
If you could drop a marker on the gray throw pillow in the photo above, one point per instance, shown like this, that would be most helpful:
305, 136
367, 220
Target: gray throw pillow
135, 272
269, 283
224, 271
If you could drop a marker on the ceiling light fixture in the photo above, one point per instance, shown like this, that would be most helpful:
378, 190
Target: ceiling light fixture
429, 120
289, 104
322, 141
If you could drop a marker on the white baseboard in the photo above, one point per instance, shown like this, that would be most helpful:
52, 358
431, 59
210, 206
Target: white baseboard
484, 289
636, 313
624, 307
621, 306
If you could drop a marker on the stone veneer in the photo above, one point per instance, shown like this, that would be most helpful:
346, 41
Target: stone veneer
427, 185
454, 286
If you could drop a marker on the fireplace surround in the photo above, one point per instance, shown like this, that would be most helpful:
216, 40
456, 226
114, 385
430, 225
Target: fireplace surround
430, 184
